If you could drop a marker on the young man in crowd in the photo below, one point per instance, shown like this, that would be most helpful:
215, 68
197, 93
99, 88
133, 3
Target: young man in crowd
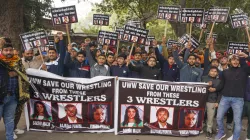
232, 87
55, 64
77, 67
10, 67
98, 68
137, 62
144, 56
188, 71
120, 70
212, 99
149, 71
214, 61
74, 50
110, 59
170, 71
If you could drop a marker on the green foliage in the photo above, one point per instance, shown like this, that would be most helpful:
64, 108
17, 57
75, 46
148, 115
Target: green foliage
34, 11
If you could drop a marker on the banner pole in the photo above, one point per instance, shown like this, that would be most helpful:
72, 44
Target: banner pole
118, 46
201, 33
211, 31
190, 33
247, 34
67, 30
166, 28
131, 51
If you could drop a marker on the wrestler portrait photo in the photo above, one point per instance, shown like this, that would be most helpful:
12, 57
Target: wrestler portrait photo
131, 115
40, 110
99, 113
161, 117
70, 113
190, 119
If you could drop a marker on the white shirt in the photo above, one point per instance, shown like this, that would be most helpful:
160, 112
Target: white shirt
130, 124
40, 117
162, 126
70, 121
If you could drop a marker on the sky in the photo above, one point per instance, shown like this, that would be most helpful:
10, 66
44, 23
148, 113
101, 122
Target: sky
82, 8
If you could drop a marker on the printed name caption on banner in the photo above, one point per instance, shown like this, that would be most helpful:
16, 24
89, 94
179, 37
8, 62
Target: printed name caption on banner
69, 91
167, 94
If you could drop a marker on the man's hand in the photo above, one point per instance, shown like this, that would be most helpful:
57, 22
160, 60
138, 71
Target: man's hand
242, 54
60, 35
12, 74
69, 48
44, 67
211, 89
210, 83
216, 105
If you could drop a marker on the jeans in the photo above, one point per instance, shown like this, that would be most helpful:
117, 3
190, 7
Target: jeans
7, 111
246, 112
237, 106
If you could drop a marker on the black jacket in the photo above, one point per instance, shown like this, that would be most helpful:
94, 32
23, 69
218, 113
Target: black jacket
147, 72
213, 97
234, 81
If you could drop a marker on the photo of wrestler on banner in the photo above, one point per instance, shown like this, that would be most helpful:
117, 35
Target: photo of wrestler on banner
99, 113
70, 113
40, 110
190, 119
131, 115
161, 117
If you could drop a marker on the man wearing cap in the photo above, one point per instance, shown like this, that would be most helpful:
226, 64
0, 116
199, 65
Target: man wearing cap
14, 87
120, 70
77, 67
214, 62
232, 88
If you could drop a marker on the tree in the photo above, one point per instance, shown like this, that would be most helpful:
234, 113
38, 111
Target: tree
18, 16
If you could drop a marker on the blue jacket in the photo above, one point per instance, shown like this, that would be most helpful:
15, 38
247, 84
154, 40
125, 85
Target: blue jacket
169, 74
187, 73
57, 66
122, 71
135, 74
76, 69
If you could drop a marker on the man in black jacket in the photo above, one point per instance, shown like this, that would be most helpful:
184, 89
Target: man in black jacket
232, 87
149, 71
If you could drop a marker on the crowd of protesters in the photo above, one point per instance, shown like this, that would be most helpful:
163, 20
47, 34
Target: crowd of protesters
226, 74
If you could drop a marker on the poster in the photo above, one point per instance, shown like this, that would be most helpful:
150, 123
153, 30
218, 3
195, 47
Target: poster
184, 41
215, 36
102, 20
35, 39
217, 14
109, 38
160, 108
64, 15
149, 41
239, 20
136, 24
70, 104
171, 42
194, 15
135, 35
236, 47
120, 32
170, 13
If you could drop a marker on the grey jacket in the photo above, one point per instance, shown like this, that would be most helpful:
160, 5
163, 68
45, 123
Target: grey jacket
187, 73
213, 97
95, 69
